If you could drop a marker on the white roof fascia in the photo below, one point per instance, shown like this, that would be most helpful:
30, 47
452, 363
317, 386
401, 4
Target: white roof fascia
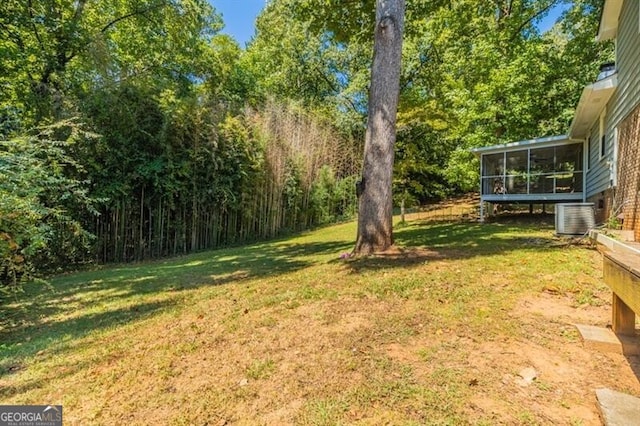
608, 28
531, 143
580, 110
610, 82
593, 99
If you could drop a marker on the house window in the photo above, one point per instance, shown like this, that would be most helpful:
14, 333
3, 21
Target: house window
492, 172
557, 169
602, 137
516, 179
589, 153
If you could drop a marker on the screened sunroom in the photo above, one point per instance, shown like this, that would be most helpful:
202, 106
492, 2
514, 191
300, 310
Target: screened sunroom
545, 170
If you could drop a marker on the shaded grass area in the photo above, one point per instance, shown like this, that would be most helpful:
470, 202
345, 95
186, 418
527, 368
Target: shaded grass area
285, 332
85, 302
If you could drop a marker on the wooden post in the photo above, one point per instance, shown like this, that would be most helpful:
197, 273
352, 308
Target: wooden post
623, 318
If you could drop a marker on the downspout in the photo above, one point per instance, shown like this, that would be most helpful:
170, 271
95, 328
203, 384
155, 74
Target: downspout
614, 160
585, 167
481, 194
529, 172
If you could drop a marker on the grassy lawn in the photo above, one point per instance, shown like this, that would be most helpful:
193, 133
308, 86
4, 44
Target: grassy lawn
286, 332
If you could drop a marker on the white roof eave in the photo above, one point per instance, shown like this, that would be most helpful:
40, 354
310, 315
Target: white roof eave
608, 28
530, 143
592, 101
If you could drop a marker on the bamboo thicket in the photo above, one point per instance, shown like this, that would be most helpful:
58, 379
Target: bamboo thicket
225, 180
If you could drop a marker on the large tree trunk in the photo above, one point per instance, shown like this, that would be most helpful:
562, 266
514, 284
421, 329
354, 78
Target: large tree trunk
374, 190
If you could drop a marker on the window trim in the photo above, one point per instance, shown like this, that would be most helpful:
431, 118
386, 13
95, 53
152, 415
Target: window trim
602, 137
614, 162
588, 152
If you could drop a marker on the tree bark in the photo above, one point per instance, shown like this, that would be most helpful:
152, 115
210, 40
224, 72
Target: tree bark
375, 204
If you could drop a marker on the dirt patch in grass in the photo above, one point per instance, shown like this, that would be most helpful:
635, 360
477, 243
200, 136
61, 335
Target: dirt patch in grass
489, 371
437, 332
396, 252
565, 308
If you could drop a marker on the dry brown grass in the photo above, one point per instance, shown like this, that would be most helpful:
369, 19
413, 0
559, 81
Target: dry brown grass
287, 333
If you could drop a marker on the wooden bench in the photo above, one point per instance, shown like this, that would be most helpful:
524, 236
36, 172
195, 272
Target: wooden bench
622, 275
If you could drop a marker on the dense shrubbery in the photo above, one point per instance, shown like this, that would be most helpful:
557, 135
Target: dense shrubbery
213, 179
186, 151
197, 143
42, 196
201, 180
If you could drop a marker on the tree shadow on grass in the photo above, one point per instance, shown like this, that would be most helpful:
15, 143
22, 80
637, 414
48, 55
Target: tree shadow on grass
8, 366
55, 336
86, 302
470, 239
420, 243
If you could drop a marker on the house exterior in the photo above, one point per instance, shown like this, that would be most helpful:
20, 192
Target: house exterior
613, 137
549, 170
598, 160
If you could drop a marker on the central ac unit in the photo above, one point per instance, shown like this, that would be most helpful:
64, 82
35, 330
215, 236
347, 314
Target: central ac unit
574, 218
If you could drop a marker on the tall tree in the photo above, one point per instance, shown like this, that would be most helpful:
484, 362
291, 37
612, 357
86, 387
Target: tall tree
375, 227
53, 51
